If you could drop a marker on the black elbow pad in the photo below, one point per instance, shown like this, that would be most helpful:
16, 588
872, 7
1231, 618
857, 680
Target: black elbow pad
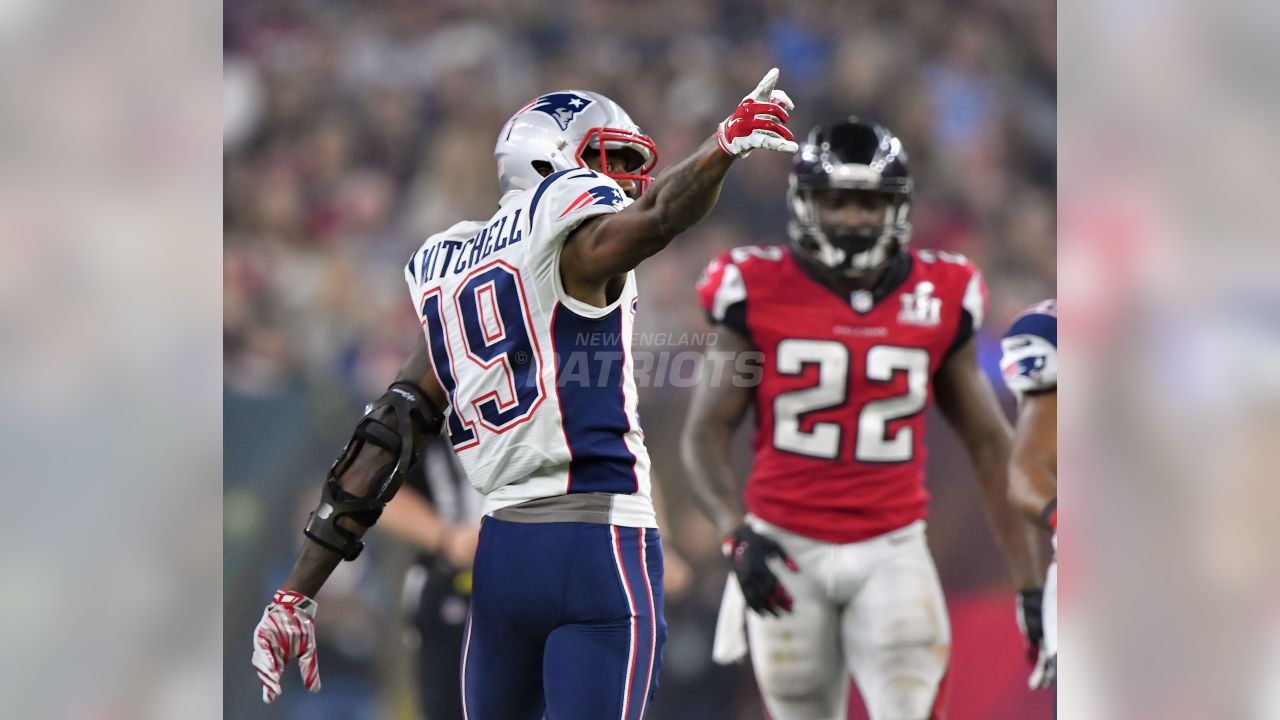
415, 416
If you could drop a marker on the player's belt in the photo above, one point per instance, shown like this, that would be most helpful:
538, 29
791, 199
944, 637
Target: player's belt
575, 507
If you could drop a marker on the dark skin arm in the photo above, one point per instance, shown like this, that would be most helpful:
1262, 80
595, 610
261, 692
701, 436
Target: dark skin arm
719, 406
1033, 473
315, 563
676, 573
967, 401
411, 517
600, 251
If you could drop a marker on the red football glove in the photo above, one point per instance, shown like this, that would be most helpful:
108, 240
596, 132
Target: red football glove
286, 630
759, 121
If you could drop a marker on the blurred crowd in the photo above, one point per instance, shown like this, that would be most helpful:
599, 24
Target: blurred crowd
353, 130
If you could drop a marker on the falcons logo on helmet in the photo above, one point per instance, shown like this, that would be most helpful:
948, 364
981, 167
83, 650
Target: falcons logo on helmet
562, 107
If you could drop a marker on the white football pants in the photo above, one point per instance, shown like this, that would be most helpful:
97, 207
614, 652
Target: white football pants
872, 609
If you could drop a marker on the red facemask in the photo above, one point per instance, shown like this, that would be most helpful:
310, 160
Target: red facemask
598, 136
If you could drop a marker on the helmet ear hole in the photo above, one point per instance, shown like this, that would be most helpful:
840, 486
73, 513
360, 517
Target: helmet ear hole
542, 167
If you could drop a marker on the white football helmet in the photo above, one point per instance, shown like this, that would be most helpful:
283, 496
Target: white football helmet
559, 128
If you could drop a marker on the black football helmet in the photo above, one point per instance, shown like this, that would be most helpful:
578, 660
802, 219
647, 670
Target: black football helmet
850, 155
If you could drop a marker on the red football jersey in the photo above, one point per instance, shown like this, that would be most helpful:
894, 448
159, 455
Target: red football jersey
839, 440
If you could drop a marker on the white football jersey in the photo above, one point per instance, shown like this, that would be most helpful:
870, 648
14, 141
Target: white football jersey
541, 390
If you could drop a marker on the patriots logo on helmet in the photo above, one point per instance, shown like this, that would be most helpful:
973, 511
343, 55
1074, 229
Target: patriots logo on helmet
562, 107
598, 195
1027, 365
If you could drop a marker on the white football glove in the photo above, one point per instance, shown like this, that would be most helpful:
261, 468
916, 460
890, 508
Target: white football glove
759, 121
1044, 665
1044, 672
286, 630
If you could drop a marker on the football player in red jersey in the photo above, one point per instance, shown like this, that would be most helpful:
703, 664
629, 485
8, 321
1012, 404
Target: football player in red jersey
856, 333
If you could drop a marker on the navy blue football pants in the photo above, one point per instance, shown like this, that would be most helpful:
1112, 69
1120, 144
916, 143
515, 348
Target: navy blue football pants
566, 620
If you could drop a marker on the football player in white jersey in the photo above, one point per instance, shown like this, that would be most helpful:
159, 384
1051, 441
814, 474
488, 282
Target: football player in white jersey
1029, 364
525, 360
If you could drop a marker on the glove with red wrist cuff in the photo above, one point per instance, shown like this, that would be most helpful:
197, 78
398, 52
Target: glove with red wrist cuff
759, 121
287, 630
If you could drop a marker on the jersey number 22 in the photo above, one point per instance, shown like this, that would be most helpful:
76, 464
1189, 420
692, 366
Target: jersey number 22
824, 439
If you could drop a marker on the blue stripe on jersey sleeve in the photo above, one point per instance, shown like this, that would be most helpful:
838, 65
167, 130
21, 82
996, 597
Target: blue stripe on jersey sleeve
1040, 325
589, 359
546, 183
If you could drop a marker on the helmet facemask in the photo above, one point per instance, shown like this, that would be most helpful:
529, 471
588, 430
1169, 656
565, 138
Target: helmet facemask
848, 250
640, 160
851, 155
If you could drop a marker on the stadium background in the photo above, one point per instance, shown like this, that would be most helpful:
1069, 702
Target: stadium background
354, 130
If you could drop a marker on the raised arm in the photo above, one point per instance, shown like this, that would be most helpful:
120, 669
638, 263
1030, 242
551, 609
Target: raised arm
606, 246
